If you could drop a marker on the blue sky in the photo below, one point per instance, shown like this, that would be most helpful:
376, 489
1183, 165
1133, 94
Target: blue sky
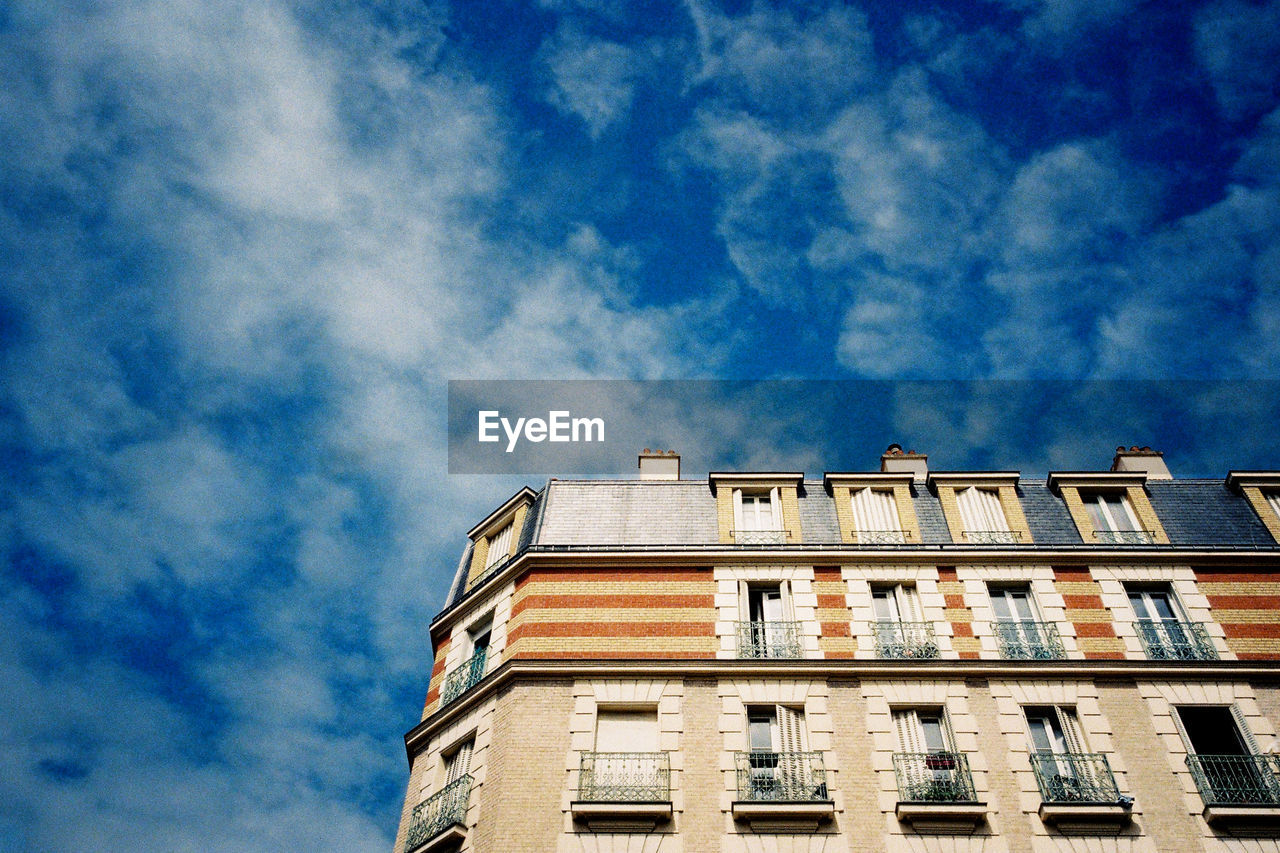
244, 245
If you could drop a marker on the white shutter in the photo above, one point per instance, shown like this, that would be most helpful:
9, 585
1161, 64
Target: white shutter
875, 510
1243, 727
980, 509
909, 604
1273, 501
1072, 735
459, 763
790, 729
910, 734
775, 508
500, 545
737, 510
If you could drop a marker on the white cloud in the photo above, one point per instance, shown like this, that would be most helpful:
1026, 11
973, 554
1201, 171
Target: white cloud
593, 78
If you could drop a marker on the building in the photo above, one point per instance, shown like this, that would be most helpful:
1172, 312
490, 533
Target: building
898, 660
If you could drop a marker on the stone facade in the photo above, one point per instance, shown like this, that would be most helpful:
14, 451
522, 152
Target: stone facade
597, 613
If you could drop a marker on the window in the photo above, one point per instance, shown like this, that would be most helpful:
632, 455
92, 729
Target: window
1164, 631
500, 547
1065, 769
983, 517
1223, 758
768, 629
778, 765
443, 816
1273, 501
927, 766
626, 765
875, 516
1114, 520
758, 517
900, 629
472, 669
1020, 633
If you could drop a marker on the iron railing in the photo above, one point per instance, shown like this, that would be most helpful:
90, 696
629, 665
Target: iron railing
784, 776
1124, 537
1237, 780
1074, 777
906, 640
624, 777
992, 537
490, 570
1168, 640
881, 537
463, 678
441, 811
933, 777
768, 639
760, 537
1027, 640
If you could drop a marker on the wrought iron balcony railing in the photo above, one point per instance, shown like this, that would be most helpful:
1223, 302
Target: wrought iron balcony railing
905, 640
882, 537
463, 678
624, 777
760, 537
794, 777
992, 537
1074, 777
1175, 640
1237, 780
1026, 640
768, 639
1124, 537
441, 811
933, 777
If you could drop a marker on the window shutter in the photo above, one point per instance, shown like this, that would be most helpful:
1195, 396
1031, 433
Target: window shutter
909, 609
459, 763
875, 510
910, 735
790, 729
1250, 743
737, 510
980, 509
1273, 501
500, 545
775, 508
1072, 734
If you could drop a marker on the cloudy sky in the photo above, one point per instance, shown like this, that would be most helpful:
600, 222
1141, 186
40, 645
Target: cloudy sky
244, 245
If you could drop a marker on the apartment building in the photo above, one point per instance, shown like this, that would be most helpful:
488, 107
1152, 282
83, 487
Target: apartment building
894, 660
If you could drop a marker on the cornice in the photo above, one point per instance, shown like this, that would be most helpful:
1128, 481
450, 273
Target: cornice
1263, 479
1095, 479
525, 495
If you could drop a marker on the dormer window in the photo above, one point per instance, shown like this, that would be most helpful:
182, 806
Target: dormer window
875, 517
1114, 521
983, 517
758, 518
499, 547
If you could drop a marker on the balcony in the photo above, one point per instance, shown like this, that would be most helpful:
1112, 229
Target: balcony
936, 793
991, 537
782, 791
769, 640
881, 537
463, 678
623, 791
1124, 537
1242, 791
1027, 640
905, 640
760, 537
441, 821
1169, 640
1078, 792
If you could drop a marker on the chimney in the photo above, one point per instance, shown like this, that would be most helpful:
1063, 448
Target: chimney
1141, 460
895, 461
659, 465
